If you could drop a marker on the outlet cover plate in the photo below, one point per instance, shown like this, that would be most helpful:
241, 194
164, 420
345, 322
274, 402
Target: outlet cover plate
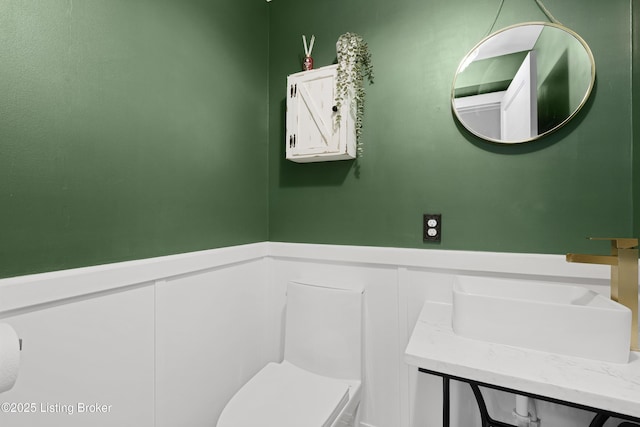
432, 227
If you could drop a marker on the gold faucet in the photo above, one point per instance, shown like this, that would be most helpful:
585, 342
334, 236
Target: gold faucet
624, 276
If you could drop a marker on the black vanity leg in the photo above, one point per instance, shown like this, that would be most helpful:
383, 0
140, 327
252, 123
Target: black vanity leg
446, 396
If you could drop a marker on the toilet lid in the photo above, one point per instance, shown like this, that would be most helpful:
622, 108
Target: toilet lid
283, 395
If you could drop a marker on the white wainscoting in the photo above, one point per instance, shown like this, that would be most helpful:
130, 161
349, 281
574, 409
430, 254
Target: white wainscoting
167, 341
164, 341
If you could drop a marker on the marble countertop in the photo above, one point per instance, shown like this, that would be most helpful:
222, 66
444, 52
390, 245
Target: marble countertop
609, 386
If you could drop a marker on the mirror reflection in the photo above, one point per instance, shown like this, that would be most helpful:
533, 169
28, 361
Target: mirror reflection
523, 82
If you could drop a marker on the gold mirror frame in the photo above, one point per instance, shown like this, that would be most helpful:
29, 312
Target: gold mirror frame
466, 115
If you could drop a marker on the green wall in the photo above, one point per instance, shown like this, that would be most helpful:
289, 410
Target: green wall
542, 197
130, 129
138, 128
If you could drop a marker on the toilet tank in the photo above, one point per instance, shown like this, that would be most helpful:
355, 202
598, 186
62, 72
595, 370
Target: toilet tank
323, 330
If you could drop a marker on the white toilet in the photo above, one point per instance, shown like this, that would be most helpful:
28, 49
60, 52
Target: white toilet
319, 381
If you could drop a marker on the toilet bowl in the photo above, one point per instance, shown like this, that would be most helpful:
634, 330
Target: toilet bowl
318, 384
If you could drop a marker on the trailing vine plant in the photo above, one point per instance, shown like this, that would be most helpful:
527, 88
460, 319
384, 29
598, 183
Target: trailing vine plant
354, 64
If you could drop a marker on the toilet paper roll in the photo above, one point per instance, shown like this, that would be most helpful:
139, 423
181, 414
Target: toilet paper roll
9, 357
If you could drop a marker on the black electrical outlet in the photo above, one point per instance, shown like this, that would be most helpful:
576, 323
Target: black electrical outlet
432, 227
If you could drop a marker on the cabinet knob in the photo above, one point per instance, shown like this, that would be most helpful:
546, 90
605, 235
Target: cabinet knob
335, 108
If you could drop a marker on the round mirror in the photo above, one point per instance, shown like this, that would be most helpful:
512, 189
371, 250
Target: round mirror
523, 82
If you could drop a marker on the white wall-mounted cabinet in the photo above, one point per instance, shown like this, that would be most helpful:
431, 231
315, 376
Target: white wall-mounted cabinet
312, 134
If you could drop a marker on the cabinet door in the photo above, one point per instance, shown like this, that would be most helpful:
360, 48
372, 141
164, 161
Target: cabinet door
310, 117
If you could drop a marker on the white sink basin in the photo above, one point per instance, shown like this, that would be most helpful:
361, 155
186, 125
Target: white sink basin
550, 317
